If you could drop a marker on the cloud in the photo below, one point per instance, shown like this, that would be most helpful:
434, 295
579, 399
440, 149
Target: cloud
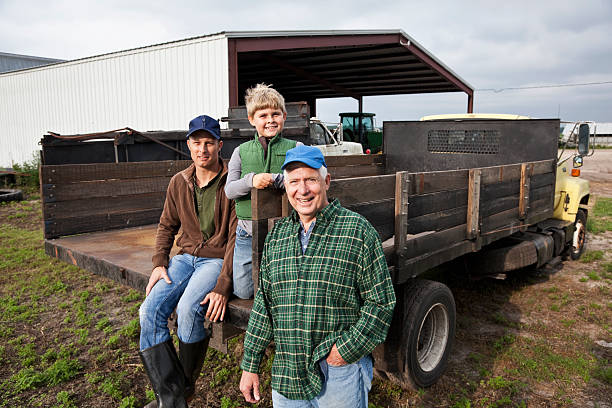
489, 44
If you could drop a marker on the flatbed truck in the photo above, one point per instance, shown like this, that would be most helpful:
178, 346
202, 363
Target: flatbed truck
492, 191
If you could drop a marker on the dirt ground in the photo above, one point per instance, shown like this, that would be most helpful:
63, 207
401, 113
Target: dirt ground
539, 338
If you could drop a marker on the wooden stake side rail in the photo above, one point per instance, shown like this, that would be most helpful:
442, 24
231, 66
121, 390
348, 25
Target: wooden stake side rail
441, 215
80, 198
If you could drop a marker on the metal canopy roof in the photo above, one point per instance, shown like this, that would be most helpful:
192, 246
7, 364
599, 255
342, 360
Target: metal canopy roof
307, 65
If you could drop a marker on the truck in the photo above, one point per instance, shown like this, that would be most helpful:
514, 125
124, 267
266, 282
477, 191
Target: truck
491, 192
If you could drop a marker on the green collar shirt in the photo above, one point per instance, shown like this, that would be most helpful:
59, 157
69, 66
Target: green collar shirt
205, 204
338, 291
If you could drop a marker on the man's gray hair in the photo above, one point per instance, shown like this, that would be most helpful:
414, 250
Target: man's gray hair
322, 171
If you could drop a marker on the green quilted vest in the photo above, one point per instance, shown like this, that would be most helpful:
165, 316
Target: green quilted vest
253, 161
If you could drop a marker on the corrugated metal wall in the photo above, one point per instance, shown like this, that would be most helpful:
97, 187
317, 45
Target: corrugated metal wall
154, 88
14, 62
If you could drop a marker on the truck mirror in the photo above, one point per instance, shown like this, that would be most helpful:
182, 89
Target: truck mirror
583, 139
577, 161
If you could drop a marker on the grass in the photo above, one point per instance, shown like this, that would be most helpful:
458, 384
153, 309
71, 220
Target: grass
600, 219
56, 350
86, 355
591, 256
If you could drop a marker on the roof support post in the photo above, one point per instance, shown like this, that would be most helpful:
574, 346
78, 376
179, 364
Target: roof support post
470, 106
232, 72
360, 120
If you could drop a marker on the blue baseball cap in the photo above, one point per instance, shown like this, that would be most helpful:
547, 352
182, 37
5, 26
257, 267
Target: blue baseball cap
309, 155
206, 123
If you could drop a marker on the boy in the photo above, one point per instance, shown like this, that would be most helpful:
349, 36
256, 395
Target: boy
256, 163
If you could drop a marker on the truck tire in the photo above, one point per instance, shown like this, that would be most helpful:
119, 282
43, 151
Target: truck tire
579, 239
429, 332
10, 195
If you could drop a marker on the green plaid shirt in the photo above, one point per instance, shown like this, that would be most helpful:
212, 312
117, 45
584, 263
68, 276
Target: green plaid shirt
339, 291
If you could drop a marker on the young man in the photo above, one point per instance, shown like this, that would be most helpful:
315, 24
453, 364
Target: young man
256, 163
198, 280
325, 297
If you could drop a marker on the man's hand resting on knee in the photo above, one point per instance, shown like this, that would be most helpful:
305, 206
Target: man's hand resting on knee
158, 273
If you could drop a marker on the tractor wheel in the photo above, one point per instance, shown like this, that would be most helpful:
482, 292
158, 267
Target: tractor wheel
580, 235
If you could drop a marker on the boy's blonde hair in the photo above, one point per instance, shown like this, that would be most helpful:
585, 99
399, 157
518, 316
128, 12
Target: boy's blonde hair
263, 96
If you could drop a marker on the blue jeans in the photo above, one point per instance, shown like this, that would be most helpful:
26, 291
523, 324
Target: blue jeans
344, 386
192, 279
243, 264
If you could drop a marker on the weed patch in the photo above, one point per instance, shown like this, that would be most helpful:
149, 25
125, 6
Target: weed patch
590, 256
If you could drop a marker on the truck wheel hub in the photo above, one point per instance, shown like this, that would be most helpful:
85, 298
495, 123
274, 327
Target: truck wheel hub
433, 337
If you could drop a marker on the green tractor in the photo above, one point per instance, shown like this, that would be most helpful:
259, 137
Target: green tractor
360, 128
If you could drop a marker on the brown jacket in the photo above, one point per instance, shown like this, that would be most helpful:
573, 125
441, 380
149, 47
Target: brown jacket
180, 214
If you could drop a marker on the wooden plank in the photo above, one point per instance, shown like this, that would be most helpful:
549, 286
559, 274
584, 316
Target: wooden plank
435, 202
300, 133
417, 265
438, 221
523, 202
402, 195
494, 192
355, 160
260, 230
379, 214
100, 222
508, 217
539, 206
285, 206
90, 206
97, 265
266, 203
500, 220
490, 207
498, 174
430, 241
356, 171
473, 206
351, 191
431, 182
71, 173
103, 189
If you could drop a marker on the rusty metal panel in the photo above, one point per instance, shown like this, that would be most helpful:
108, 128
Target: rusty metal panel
423, 146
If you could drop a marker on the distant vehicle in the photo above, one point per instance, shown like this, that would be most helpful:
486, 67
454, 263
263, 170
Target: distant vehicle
331, 142
361, 128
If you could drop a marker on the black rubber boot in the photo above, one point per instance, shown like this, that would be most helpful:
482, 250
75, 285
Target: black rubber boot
192, 357
166, 374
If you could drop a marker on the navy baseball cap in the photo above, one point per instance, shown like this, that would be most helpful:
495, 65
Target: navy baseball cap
206, 123
309, 155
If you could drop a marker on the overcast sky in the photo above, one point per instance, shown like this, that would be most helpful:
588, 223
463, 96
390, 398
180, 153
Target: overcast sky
492, 45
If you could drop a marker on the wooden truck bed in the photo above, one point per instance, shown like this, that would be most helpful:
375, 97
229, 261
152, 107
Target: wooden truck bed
124, 255
441, 190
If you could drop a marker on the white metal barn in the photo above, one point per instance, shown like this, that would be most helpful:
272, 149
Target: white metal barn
161, 87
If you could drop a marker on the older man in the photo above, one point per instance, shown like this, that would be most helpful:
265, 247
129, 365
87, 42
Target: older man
325, 297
